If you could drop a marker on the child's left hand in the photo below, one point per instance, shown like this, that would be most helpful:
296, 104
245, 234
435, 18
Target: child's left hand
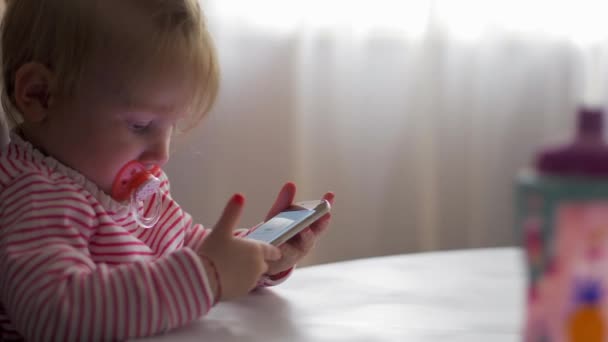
298, 246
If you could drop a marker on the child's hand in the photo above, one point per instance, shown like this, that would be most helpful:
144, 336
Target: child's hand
240, 262
300, 245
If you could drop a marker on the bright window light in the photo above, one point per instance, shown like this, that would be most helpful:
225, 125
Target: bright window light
356, 15
582, 21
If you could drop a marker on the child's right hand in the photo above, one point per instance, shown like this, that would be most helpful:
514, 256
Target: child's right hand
240, 262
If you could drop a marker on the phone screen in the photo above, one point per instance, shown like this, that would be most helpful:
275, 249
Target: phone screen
279, 225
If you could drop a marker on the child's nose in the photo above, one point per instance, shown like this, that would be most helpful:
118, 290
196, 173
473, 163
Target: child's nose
156, 154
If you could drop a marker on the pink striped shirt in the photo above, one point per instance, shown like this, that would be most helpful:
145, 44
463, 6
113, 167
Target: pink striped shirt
76, 267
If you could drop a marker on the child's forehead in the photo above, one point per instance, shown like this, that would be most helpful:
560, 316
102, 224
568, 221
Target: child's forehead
161, 96
159, 88
156, 90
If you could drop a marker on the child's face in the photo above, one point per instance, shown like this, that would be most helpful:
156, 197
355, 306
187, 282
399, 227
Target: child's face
102, 128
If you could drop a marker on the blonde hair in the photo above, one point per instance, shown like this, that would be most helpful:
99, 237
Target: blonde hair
67, 35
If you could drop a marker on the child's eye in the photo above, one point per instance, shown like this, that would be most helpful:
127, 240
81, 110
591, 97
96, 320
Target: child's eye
139, 126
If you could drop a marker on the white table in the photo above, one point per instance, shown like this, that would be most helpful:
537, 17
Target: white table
473, 295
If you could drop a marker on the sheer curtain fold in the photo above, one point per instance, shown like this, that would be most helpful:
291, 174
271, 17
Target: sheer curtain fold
419, 125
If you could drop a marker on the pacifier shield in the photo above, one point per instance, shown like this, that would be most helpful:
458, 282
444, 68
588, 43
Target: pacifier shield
134, 176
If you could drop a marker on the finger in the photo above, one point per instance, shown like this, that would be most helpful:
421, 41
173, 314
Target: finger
329, 197
321, 225
284, 199
290, 254
270, 252
230, 216
304, 242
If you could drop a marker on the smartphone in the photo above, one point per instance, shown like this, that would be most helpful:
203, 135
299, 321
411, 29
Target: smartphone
288, 223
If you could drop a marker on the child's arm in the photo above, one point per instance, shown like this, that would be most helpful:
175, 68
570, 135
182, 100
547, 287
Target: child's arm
50, 287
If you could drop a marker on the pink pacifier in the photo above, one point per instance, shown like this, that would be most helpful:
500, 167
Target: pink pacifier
137, 184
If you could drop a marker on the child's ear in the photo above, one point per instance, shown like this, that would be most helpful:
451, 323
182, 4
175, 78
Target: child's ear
33, 91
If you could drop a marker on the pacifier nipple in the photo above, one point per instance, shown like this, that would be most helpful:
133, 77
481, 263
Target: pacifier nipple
138, 184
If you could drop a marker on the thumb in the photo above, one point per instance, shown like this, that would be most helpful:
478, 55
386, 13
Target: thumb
230, 217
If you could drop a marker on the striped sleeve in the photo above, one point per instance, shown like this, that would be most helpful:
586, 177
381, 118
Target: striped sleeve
51, 288
194, 234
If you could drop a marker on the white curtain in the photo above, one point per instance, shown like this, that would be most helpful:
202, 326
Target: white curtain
418, 114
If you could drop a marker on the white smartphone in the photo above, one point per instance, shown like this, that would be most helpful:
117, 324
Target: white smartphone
287, 224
